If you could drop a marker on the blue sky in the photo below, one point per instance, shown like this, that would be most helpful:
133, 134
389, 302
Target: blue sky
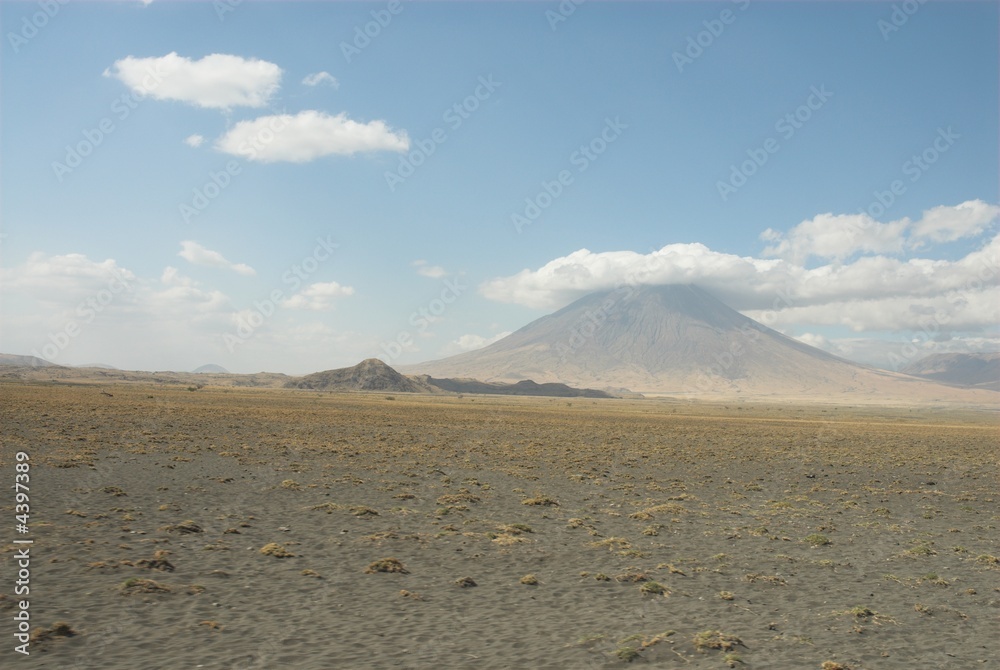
647, 142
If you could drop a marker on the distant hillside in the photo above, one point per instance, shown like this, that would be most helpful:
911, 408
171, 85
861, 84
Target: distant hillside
981, 370
369, 375
211, 368
14, 360
525, 387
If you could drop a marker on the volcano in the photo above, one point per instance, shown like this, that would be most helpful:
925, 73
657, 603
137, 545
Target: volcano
675, 340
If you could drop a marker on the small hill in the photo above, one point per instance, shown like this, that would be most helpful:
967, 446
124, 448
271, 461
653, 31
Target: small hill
369, 375
980, 370
15, 360
211, 368
524, 387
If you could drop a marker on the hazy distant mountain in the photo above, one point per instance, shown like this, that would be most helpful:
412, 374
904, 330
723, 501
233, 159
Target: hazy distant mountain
980, 370
369, 375
15, 360
211, 368
100, 366
677, 340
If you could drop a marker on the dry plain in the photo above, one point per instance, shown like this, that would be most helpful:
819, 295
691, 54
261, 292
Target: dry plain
495, 532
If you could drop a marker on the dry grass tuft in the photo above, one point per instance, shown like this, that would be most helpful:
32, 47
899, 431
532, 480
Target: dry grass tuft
276, 550
138, 586
714, 639
386, 565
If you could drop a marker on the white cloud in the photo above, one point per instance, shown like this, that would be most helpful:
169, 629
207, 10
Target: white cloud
195, 140
196, 254
946, 224
62, 278
836, 237
318, 296
839, 237
866, 294
307, 136
318, 78
432, 271
217, 81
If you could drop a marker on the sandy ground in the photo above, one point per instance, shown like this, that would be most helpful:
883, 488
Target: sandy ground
656, 533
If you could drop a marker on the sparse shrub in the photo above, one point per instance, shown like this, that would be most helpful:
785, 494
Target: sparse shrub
184, 527
386, 565
136, 586
466, 582
920, 550
654, 588
515, 528
276, 550
714, 639
539, 500
816, 540
726, 595
457, 498
529, 580
632, 576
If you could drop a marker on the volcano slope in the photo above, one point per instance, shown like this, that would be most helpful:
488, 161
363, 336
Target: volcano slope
267, 528
681, 341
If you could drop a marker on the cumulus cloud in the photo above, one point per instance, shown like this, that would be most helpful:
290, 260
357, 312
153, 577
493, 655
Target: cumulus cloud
58, 278
836, 237
317, 78
195, 140
946, 224
319, 296
839, 237
869, 293
307, 136
196, 254
432, 271
217, 81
